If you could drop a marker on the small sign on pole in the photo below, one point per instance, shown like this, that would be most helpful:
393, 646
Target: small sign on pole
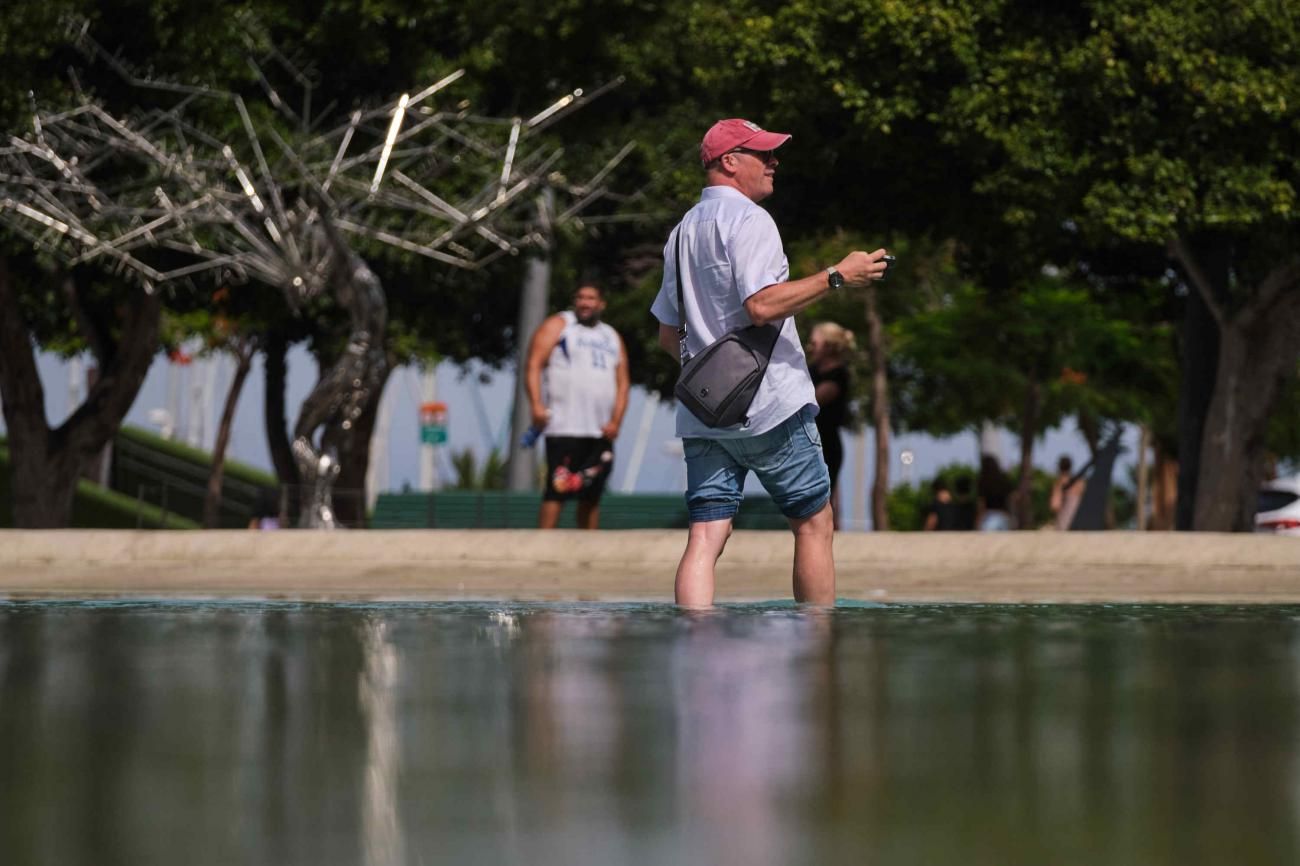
433, 423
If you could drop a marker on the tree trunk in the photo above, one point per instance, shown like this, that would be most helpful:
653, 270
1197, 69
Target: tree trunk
44, 484
1200, 357
1200, 347
879, 411
1028, 430
350, 491
276, 421
47, 462
1090, 428
1254, 362
212, 501
1256, 351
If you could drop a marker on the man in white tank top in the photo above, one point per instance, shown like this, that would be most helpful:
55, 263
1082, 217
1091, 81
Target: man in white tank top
577, 383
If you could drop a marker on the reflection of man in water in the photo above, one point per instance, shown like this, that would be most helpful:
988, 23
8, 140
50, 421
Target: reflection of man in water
577, 383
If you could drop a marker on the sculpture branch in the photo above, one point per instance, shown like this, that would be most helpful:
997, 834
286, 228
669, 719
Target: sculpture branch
160, 196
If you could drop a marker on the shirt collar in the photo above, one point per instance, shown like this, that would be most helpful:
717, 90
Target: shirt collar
721, 191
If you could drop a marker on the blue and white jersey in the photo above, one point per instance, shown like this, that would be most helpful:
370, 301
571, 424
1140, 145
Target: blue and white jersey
579, 383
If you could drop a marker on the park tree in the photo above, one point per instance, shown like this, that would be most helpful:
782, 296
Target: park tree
66, 309
1048, 134
1169, 125
263, 209
1026, 360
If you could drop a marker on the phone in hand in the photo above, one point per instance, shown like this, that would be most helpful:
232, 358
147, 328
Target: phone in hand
889, 263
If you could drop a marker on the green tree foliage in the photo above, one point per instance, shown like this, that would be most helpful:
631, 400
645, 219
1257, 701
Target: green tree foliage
1038, 169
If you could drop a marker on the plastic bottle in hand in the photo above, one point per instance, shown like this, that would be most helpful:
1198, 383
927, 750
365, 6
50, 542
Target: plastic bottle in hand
530, 437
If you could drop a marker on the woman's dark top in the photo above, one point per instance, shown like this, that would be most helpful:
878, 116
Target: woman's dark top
952, 516
995, 490
832, 417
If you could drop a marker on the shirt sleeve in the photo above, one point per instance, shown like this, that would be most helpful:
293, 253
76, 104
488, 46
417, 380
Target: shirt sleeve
664, 307
756, 255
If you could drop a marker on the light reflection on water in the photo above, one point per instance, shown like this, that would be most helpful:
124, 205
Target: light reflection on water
196, 733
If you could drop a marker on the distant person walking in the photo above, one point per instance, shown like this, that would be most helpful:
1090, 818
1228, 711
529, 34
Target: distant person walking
1066, 494
993, 491
950, 509
577, 382
829, 347
941, 514
733, 274
964, 504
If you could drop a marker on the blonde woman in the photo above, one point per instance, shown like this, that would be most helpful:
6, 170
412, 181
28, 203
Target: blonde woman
828, 351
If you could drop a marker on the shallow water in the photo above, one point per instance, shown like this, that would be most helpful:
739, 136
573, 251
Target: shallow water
251, 733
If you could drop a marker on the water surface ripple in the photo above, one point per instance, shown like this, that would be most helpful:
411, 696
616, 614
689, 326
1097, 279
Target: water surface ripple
175, 732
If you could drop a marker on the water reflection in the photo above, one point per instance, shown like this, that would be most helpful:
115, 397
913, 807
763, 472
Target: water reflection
557, 734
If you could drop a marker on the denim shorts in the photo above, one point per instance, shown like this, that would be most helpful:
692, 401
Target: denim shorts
787, 460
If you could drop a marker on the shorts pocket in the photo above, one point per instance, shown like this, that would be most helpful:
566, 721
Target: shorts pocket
810, 430
693, 448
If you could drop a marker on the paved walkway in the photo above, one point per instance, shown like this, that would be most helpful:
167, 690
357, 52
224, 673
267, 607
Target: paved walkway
639, 565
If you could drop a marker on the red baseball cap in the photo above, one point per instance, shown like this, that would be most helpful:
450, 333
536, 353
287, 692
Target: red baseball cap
734, 132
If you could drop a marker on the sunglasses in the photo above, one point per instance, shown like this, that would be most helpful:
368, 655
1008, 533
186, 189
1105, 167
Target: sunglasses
765, 156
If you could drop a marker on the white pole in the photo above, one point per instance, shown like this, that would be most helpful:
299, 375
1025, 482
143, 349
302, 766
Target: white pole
521, 473
209, 413
173, 410
194, 396
377, 473
76, 382
649, 407
428, 394
198, 375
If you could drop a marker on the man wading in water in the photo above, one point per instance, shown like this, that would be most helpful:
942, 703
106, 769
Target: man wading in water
734, 273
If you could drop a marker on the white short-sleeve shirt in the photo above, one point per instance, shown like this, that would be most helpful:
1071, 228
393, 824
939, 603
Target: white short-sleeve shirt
731, 249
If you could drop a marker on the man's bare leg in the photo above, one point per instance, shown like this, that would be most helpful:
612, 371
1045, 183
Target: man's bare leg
588, 515
814, 562
694, 585
548, 517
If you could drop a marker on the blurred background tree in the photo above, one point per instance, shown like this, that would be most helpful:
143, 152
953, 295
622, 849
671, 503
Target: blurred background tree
1093, 204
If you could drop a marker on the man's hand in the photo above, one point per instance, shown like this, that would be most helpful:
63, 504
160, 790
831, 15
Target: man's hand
541, 415
860, 268
610, 431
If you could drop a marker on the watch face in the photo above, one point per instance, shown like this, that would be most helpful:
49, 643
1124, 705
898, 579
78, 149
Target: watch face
836, 279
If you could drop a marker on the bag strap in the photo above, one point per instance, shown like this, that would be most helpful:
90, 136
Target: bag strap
683, 354
771, 332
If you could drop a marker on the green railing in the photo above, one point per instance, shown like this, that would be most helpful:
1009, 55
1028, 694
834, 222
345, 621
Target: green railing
174, 477
498, 509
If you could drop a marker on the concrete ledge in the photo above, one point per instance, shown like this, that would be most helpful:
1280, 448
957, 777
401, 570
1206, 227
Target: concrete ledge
639, 565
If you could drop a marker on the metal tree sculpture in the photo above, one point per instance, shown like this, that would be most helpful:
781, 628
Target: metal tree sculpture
160, 195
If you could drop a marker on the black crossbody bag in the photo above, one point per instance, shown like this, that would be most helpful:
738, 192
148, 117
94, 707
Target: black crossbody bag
718, 385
